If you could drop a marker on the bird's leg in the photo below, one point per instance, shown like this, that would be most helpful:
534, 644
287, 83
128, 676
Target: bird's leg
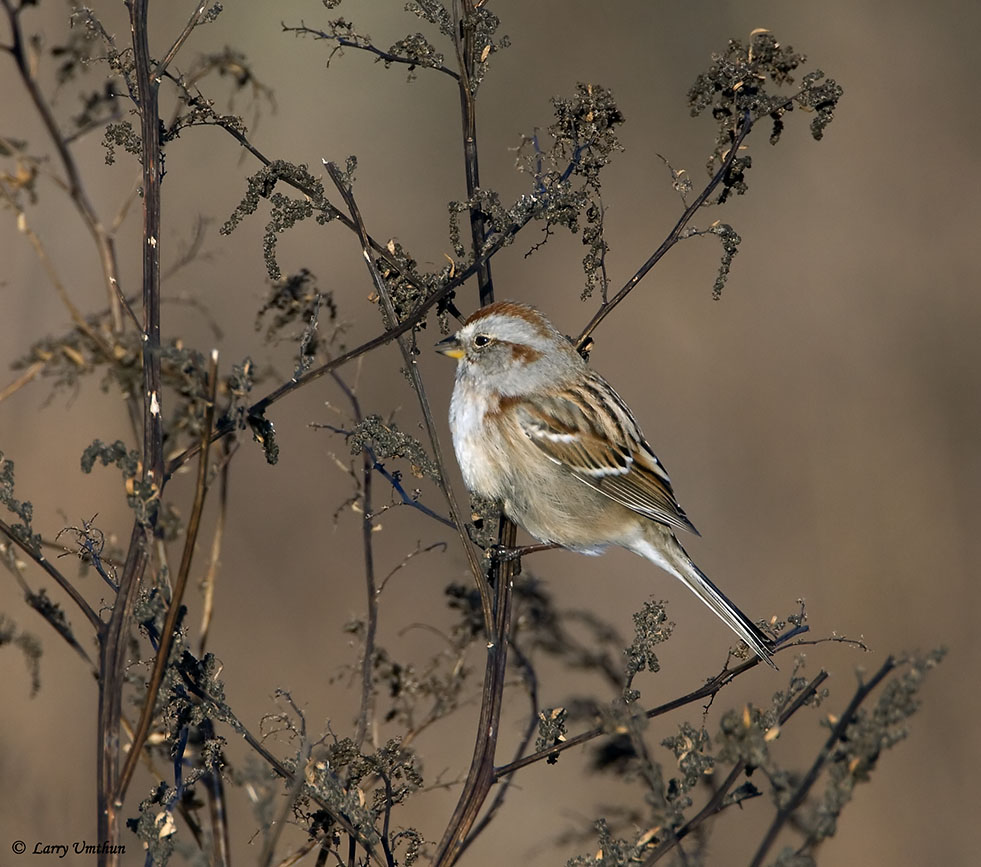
503, 554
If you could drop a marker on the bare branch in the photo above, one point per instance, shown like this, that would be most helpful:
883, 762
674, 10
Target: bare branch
364, 45
673, 236
837, 733
53, 276
391, 478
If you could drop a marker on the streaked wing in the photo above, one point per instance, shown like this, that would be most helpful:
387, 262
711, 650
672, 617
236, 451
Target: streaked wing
589, 430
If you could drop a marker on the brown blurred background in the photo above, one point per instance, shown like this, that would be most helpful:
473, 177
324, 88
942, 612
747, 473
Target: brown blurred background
820, 422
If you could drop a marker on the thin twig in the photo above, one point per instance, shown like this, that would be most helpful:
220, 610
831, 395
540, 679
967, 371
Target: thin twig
27, 376
344, 42
192, 22
60, 579
709, 690
274, 828
463, 34
387, 821
211, 576
371, 591
113, 646
407, 500
417, 384
217, 806
49, 268
35, 600
673, 236
405, 560
227, 715
391, 478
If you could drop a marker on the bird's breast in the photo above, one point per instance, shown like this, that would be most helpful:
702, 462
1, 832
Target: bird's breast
481, 441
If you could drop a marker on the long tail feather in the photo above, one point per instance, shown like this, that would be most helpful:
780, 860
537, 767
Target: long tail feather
666, 551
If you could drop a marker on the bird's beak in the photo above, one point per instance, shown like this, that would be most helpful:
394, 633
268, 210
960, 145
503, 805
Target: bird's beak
450, 346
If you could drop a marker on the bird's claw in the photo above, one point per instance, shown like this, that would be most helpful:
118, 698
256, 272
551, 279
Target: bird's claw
503, 554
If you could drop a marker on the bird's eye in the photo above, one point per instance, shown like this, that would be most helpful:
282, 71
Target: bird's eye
481, 340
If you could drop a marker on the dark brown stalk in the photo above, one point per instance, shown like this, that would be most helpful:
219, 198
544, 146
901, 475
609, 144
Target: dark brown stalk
371, 593
173, 612
112, 666
531, 684
481, 776
116, 633
148, 88
463, 42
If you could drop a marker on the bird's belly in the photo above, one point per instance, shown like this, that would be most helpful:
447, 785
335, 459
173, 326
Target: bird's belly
501, 463
557, 507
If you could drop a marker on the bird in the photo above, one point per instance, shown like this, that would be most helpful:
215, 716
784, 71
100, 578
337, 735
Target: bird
538, 431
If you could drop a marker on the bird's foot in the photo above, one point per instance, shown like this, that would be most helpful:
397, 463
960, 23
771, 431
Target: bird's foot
504, 554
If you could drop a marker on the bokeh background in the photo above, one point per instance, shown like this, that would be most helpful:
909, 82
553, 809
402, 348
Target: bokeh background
820, 422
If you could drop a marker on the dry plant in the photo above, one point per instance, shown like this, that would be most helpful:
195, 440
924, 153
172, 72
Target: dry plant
345, 787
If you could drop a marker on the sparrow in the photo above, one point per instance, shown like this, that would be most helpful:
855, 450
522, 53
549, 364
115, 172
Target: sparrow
543, 434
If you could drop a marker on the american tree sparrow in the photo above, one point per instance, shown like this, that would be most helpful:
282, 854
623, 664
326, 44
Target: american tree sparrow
541, 433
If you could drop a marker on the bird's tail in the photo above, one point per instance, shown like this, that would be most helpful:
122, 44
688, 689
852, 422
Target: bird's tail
660, 546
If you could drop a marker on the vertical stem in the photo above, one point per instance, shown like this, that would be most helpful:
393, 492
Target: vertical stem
481, 776
482, 772
148, 91
366, 714
112, 665
116, 633
468, 113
